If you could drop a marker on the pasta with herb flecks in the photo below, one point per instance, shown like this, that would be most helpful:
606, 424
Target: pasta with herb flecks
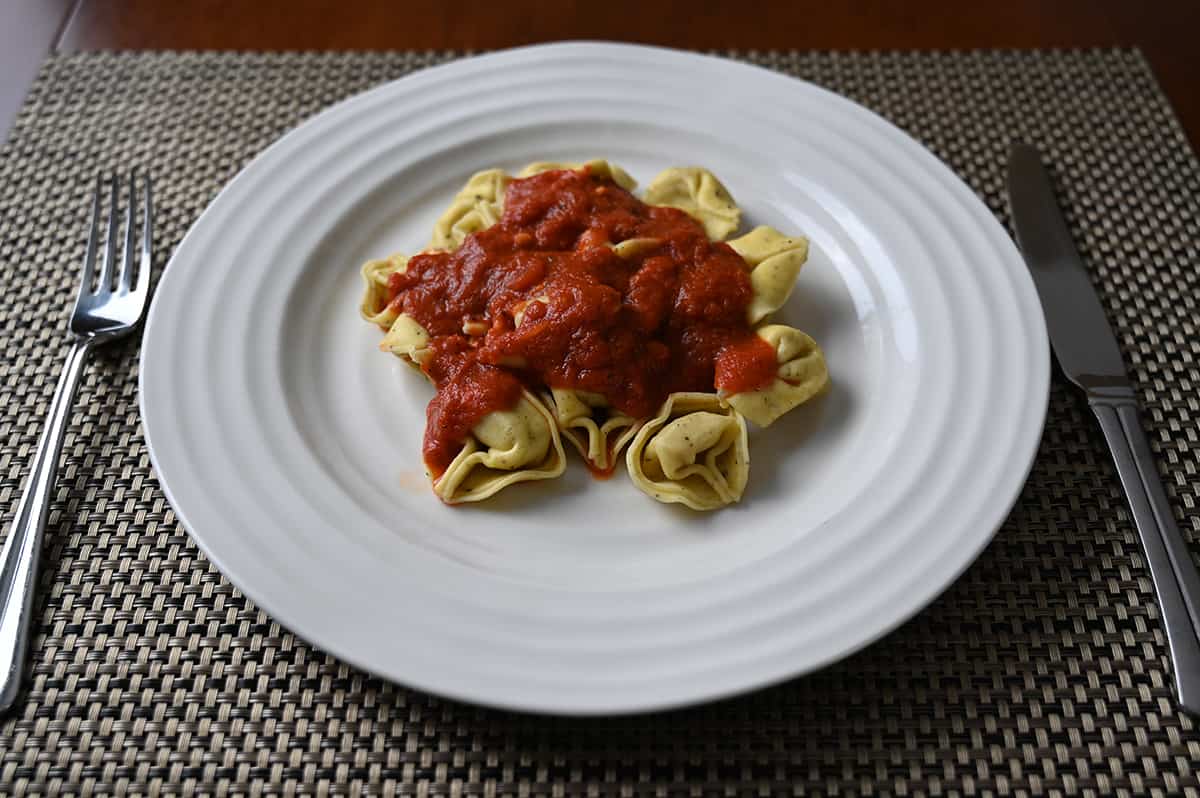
557, 305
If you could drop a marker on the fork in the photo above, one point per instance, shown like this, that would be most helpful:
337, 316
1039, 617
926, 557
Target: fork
109, 305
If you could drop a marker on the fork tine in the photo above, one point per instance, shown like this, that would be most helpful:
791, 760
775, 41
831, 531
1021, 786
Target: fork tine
143, 279
110, 240
125, 276
89, 259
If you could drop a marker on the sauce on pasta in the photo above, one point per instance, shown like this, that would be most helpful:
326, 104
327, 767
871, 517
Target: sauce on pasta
542, 298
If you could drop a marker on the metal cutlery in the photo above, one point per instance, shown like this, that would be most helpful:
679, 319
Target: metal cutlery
1088, 354
110, 303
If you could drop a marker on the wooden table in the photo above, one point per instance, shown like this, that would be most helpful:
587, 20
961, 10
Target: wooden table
1166, 31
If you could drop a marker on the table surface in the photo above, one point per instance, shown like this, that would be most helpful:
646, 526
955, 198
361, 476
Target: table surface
29, 29
1042, 671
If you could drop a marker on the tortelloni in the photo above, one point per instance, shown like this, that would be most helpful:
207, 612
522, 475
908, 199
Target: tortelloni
802, 375
774, 260
506, 447
407, 340
477, 206
598, 168
699, 194
694, 452
518, 310
375, 273
632, 247
532, 302
585, 419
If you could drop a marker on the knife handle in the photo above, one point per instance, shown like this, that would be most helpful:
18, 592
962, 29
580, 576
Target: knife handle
1172, 571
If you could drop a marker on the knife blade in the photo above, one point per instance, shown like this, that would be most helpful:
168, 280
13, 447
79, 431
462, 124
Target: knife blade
1087, 352
1080, 335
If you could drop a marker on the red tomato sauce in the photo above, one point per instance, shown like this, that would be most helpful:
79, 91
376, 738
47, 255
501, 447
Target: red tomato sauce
670, 318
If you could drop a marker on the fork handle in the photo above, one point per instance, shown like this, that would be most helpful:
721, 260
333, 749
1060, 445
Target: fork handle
1172, 570
19, 560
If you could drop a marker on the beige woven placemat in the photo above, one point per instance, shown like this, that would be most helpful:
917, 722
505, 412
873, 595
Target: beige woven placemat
1042, 671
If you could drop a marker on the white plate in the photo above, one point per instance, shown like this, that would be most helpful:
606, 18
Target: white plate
290, 446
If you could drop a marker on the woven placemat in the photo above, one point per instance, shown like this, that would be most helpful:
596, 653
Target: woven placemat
1042, 671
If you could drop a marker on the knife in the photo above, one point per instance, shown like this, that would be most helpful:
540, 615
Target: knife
1087, 352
